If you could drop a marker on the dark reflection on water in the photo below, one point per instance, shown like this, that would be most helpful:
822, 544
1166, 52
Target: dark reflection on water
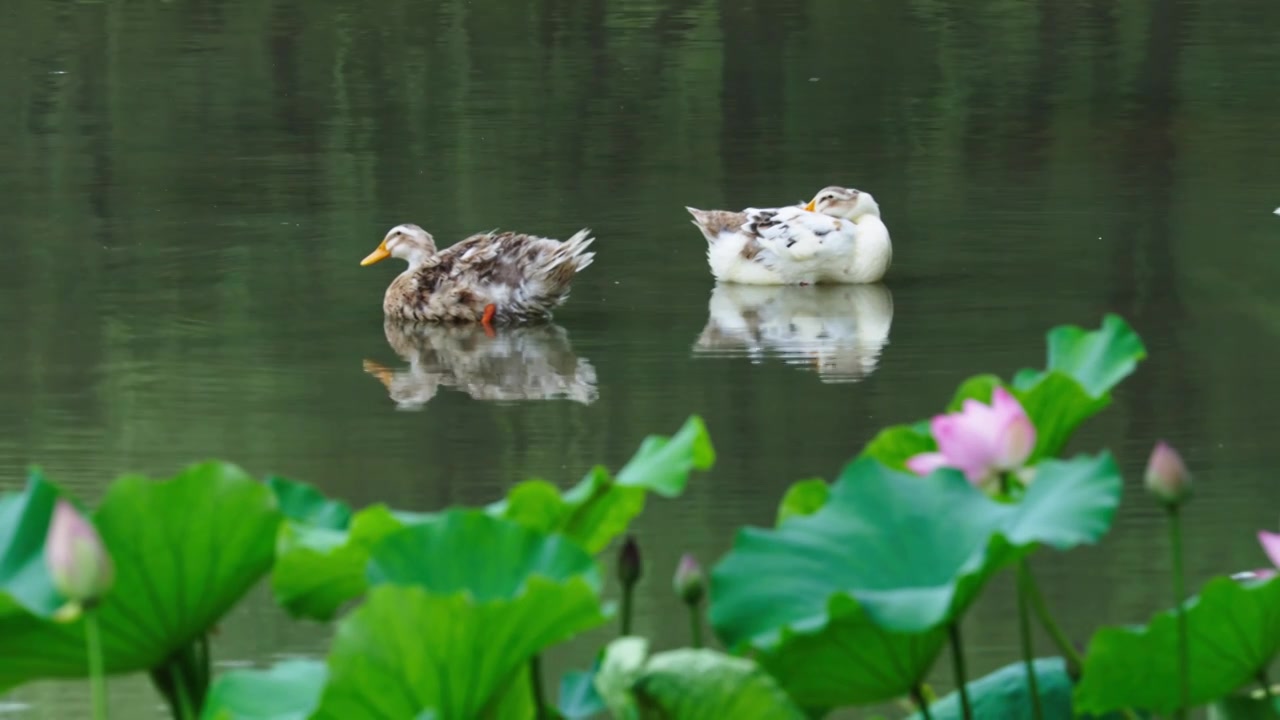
187, 188
520, 363
838, 331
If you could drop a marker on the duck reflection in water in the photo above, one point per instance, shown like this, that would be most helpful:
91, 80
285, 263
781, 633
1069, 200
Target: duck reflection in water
532, 362
837, 330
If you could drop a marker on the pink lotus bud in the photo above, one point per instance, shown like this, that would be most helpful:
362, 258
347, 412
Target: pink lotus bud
78, 563
980, 440
689, 582
1167, 477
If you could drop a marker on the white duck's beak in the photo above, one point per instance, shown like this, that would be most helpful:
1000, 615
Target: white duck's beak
811, 207
382, 253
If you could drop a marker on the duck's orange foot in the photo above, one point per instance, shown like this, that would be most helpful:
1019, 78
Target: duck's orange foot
487, 319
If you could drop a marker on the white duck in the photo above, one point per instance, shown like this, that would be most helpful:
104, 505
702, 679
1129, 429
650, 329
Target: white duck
838, 237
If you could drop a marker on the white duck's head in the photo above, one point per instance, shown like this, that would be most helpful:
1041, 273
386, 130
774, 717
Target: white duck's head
407, 242
843, 202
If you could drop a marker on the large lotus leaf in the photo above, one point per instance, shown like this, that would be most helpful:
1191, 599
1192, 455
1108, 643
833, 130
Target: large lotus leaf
878, 540
600, 506
24, 524
876, 556
319, 569
849, 660
288, 691
1233, 633
185, 550
1006, 694
304, 504
487, 557
406, 649
1098, 360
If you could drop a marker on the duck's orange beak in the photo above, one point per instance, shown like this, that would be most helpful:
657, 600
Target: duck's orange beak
379, 371
812, 204
382, 253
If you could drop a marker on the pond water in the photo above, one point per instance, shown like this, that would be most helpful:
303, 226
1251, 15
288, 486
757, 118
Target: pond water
187, 188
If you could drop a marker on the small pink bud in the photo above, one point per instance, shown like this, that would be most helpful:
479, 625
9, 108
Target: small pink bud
78, 563
1167, 477
689, 582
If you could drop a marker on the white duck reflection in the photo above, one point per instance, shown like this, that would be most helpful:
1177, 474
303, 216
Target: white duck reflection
837, 330
519, 363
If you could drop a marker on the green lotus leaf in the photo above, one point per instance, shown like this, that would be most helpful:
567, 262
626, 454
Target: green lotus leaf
803, 498
321, 561
893, 446
619, 668
708, 685
850, 660
600, 506
1098, 360
185, 551
456, 609
468, 550
978, 387
1233, 633
579, 698
1083, 367
407, 649
663, 464
1245, 708
305, 505
24, 525
689, 684
320, 569
821, 584
1006, 694
1057, 406
290, 690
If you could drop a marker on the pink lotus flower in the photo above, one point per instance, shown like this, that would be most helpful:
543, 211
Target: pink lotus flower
78, 563
1270, 545
1167, 477
980, 440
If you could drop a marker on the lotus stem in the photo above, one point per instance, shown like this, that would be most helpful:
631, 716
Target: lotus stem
1074, 662
695, 627
186, 711
917, 694
1175, 542
957, 661
535, 673
1024, 629
626, 609
97, 671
